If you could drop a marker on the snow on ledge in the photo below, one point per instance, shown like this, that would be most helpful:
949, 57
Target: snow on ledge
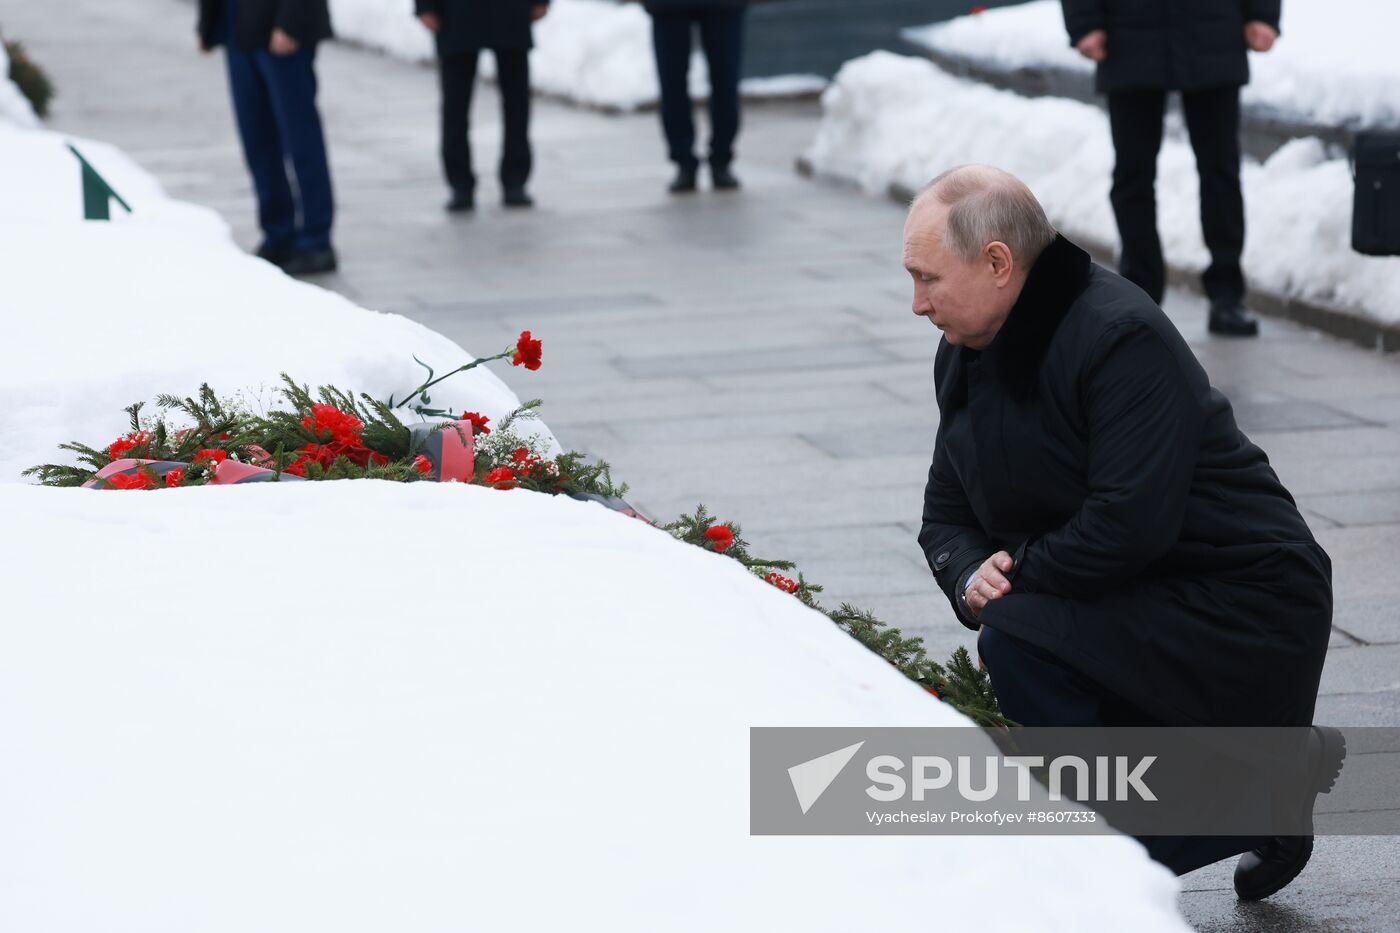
101, 314
1335, 63
367, 706
891, 119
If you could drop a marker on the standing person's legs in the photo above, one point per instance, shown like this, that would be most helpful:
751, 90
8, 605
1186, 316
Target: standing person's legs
457, 74
292, 81
670, 33
722, 36
1213, 122
513, 75
1135, 118
262, 150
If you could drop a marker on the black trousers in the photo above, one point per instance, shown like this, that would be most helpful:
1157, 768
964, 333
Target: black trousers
1035, 688
458, 75
1213, 123
722, 38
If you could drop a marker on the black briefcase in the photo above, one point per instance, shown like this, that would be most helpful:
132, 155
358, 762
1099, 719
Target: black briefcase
1375, 214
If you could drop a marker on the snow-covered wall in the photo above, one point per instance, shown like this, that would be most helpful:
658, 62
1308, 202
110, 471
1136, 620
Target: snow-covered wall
891, 119
1335, 63
365, 706
95, 315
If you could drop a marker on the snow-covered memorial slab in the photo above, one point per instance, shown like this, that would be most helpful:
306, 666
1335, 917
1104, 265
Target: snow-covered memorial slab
391, 704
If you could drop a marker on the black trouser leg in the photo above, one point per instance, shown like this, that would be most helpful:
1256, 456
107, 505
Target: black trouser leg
1213, 121
1035, 688
670, 33
458, 76
1135, 118
722, 37
513, 75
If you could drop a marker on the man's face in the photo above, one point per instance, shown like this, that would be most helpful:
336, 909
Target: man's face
962, 299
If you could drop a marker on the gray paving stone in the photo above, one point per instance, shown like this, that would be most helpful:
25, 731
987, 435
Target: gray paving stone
1291, 415
1372, 507
1375, 620
1362, 669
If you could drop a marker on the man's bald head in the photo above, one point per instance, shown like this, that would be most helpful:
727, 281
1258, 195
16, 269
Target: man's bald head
969, 243
986, 205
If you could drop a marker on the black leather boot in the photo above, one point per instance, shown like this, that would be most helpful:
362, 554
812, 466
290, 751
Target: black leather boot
1271, 867
310, 262
463, 200
1231, 320
723, 178
684, 182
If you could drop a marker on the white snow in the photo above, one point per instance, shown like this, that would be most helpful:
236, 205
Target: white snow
591, 52
364, 706
367, 706
1335, 63
97, 315
14, 106
891, 119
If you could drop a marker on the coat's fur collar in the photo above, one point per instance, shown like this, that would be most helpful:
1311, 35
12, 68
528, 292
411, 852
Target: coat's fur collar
1058, 277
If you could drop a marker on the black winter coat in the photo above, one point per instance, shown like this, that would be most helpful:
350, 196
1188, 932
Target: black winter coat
470, 25
1183, 45
1156, 550
307, 21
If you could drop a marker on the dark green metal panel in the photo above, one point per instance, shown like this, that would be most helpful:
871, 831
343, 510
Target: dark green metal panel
97, 194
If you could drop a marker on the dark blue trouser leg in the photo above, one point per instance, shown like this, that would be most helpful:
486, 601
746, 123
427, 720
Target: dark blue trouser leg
291, 82
670, 33
1034, 688
722, 37
262, 148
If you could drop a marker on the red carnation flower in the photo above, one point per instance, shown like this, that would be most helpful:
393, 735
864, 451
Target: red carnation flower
174, 478
520, 454
783, 583
935, 693
138, 480
501, 478
527, 352
720, 536
210, 453
422, 464
122, 445
479, 422
343, 428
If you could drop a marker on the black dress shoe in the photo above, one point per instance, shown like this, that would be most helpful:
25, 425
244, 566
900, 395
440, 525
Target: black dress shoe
461, 202
516, 197
723, 178
1269, 868
310, 262
275, 253
684, 182
1231, 320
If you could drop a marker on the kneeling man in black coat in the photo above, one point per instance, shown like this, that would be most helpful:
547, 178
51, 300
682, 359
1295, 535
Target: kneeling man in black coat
1127, 555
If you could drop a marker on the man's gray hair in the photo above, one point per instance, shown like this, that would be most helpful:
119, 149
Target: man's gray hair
986, 204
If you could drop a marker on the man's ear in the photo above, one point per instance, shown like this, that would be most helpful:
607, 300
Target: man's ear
998, 254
